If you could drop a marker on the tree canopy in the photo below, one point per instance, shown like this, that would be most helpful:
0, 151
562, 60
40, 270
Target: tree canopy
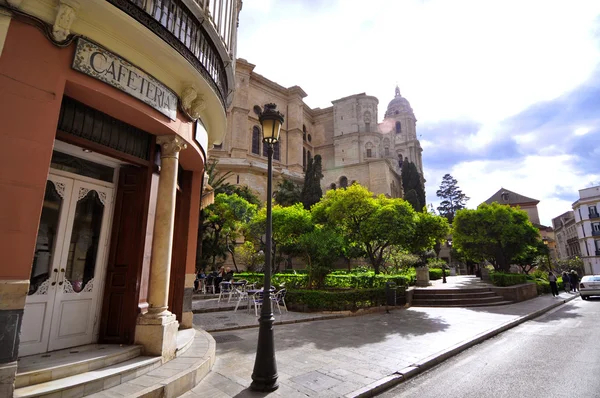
412, 184
497, 233
453, 198
287, 193
311, 191
373, 223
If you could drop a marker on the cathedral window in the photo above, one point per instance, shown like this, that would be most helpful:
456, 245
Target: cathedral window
333, 186
256, 140
265, 150
369, 148
387, 151
343, 182
308, 156
276, 151
303, 158
398, 128
369, 153
304, 132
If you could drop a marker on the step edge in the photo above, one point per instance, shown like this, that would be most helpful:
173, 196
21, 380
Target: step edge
104, 357
47, 388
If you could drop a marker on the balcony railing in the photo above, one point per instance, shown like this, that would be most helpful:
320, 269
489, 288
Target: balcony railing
175, 22
597, 252
595, 232
594, 215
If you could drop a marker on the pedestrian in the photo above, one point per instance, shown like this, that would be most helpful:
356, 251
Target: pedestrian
553, 287
566, 282
574, 279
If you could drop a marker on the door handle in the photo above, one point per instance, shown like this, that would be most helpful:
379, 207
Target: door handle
55, 276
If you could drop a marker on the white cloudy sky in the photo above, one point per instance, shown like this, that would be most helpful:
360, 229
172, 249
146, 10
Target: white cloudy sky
506, 93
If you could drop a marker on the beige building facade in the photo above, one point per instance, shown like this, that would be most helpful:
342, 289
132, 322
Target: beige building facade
353, 146
567, 242
587, 219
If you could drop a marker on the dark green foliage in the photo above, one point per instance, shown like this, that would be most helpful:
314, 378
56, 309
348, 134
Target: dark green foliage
243, 191
497, 233
412, 181
503, 279
319, 300
435, 273
367, 280
453, 199
287, 193
311, 191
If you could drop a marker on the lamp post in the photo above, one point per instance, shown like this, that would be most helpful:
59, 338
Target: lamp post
546, 242
264, 375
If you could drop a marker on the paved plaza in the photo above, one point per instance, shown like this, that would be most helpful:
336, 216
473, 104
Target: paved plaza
354, 356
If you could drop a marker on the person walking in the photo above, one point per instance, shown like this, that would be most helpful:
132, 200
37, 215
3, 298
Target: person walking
574, 279
553, 286
566, 282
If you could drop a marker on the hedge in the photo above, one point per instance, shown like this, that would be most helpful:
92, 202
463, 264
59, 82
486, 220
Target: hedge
543, 286
502, 279
366, 280
436, 273
343, 300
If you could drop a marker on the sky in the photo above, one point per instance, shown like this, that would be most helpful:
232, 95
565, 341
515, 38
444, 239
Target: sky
506, 93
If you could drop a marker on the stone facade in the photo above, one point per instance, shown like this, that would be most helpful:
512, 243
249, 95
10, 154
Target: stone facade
352, 144
565, 230
587, 219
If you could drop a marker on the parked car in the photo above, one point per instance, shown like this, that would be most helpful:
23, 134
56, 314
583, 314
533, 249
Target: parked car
589, 286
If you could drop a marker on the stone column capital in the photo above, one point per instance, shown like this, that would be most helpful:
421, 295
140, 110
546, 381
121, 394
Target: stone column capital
170, 146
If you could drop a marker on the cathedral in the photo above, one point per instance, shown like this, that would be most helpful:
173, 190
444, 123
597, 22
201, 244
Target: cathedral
353, 146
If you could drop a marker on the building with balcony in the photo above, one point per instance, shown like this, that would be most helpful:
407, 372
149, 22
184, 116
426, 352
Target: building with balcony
108, 109
567, 241
587, 219
347, 135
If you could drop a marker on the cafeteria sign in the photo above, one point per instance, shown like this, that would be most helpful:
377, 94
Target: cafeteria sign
101, 64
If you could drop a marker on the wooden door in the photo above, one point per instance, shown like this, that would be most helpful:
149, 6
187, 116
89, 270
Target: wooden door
120, 302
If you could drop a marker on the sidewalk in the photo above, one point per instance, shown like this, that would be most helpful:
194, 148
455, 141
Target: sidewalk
358, 356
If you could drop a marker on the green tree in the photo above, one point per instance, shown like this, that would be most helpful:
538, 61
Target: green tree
497, 233
320, 248
289, 223
222, 223
243, 191
287, 193
373, 224
453, 198
530, 257
412, 183
430, 231
311, 191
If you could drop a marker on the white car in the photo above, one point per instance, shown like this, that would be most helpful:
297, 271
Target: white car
589, 286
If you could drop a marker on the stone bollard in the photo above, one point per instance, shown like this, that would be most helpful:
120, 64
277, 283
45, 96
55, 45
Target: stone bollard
422, 276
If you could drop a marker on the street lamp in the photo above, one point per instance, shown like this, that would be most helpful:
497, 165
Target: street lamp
449, 245
264, 375
546, 242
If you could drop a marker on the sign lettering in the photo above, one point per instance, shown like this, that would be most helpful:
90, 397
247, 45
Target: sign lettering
103, 65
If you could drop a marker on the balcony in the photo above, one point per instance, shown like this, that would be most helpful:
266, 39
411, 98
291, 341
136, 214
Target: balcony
597, 252
594, 215
595, 232
202, 31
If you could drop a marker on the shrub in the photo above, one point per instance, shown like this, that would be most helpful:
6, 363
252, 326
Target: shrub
436, 263
367, 280
321, 300
503, 279
435, 273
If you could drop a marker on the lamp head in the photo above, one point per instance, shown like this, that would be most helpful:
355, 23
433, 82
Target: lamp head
270, 120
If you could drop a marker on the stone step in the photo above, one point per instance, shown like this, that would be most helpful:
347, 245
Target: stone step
92, 381
458, 302
35, 369
463, 305
449, 291
454, 295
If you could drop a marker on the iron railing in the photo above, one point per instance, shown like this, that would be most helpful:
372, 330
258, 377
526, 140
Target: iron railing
176, 24
594, 215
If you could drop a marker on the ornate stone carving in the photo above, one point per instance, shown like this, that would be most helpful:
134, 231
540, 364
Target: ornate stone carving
64, 19
192, 102
170, 145
187, 97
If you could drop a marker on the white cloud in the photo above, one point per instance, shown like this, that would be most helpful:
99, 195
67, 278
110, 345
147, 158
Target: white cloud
582, 131
538, 177
467, 59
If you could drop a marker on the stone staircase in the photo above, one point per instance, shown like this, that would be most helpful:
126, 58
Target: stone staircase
111, 370
472, 297
80, 371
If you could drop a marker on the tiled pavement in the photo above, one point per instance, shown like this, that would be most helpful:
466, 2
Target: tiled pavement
347, 356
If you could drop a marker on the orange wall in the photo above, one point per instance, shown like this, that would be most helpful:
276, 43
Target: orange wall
190, 265
34, 75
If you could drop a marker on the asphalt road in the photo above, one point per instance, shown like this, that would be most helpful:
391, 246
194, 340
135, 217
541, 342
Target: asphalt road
555, 355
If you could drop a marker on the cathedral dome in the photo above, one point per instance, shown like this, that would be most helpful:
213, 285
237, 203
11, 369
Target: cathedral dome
399, 105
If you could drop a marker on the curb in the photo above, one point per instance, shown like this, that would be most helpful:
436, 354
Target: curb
345, 314
418, 367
